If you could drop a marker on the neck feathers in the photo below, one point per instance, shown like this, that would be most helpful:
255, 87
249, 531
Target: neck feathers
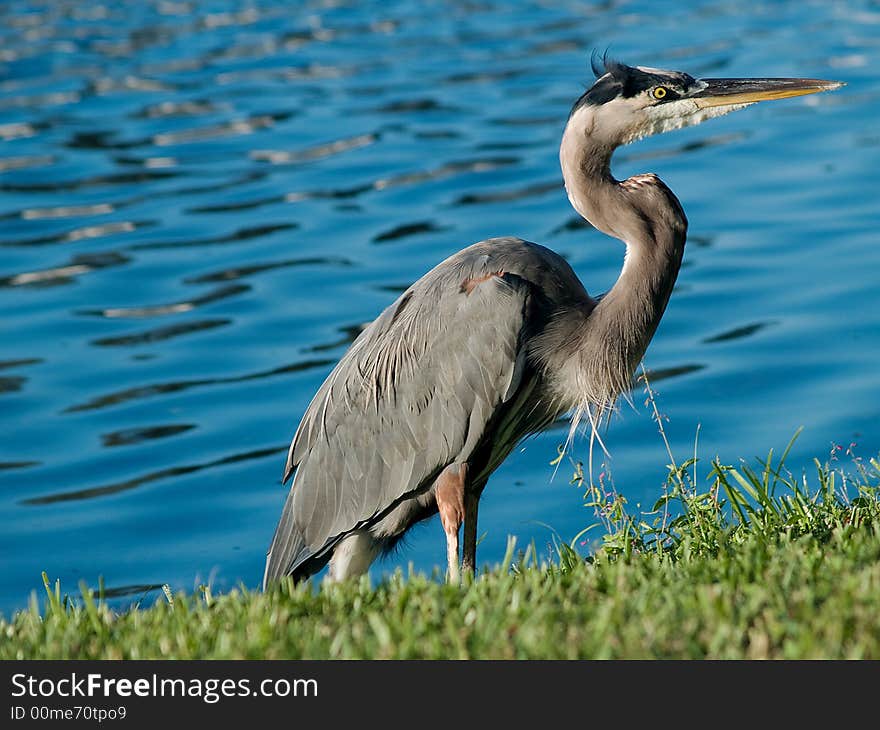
644, 213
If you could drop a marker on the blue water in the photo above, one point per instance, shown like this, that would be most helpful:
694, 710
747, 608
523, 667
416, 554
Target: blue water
200, 204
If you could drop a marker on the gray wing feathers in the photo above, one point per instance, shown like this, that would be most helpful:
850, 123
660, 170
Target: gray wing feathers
288, 546
413, 393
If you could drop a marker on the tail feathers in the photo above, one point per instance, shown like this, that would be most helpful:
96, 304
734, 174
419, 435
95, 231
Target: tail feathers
288, 549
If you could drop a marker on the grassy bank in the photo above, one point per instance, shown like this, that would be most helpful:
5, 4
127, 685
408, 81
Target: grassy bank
762, 564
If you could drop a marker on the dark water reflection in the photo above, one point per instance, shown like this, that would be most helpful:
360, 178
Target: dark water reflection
737, 333
140, 480
200, 207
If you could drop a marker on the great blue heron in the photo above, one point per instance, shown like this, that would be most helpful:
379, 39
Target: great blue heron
495, 343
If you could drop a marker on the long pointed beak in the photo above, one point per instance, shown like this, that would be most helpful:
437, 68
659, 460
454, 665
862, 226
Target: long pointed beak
727, 92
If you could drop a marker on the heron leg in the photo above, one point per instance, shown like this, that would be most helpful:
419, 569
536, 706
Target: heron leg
450, 503
469, 560
352, 556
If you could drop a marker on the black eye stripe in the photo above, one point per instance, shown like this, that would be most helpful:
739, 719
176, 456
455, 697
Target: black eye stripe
626, 82
648, 82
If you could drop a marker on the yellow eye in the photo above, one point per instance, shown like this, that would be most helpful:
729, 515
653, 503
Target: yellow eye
659, 92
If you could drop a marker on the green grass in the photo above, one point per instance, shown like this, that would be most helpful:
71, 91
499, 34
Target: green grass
759, 565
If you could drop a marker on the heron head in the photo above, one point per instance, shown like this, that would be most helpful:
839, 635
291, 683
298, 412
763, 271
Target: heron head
627, 103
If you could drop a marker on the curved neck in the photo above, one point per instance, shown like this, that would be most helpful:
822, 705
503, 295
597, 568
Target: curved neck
631, 310
647, 217
586, 170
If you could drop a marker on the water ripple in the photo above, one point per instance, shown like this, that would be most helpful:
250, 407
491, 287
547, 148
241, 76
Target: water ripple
738, 333
123, 591
413, 105
65, 211
240, 272
350, 334
106, 490
25, 161
158, 334
112, 179
192, 108
148, 391
130, 436
78, 265
505, 196
241, 234
283, 157
6, 364
78, 234
157, 310
409, 229
8, 465
198, 134
655, 375
449, 169
11, 383
16, 130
